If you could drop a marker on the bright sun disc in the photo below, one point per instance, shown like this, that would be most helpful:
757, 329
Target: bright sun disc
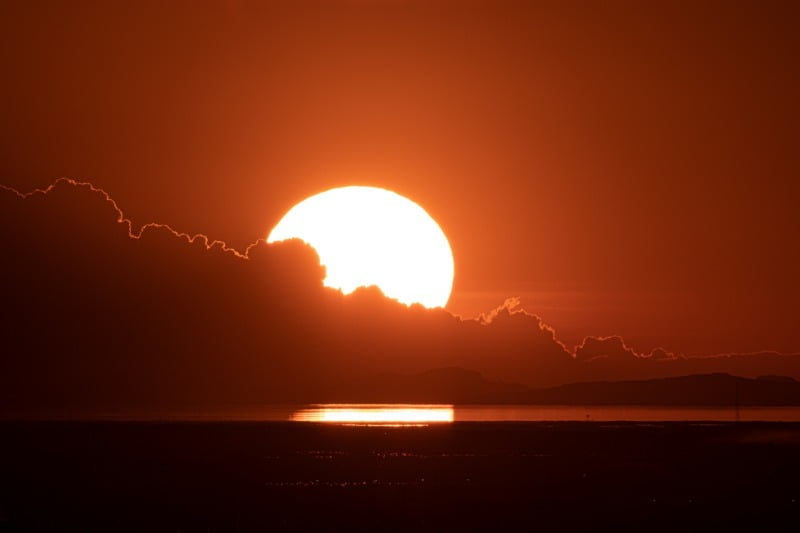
370, 236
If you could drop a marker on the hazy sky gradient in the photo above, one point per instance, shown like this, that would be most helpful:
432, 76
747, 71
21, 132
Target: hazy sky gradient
625, 167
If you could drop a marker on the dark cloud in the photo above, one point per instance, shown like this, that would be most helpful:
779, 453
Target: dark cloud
99, 312
612, 347
660, 354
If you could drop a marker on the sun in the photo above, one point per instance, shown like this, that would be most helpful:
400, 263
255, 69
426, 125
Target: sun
371, 236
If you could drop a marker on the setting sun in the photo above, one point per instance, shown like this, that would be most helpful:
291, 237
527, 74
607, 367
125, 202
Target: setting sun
370, 236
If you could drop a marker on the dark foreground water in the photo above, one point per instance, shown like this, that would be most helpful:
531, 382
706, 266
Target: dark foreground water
228, 476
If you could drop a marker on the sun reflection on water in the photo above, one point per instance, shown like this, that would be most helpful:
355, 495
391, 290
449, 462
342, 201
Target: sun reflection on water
376, 414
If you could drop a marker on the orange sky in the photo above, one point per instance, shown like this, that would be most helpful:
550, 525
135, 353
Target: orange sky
624, 168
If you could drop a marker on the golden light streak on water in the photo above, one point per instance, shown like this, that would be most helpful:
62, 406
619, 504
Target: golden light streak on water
376, 414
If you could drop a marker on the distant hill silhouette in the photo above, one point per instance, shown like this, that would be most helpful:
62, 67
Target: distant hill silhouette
442, 385
458, 385
699, 389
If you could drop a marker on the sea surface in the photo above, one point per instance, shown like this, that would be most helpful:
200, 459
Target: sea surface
443, 413
536, 413
623, 413
371, 475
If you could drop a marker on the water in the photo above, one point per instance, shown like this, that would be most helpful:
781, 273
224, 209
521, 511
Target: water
429, 414
376, 414
424, 414
623, 413
259, 475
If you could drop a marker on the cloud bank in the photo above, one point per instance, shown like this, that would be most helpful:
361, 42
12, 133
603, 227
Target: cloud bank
99, 312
